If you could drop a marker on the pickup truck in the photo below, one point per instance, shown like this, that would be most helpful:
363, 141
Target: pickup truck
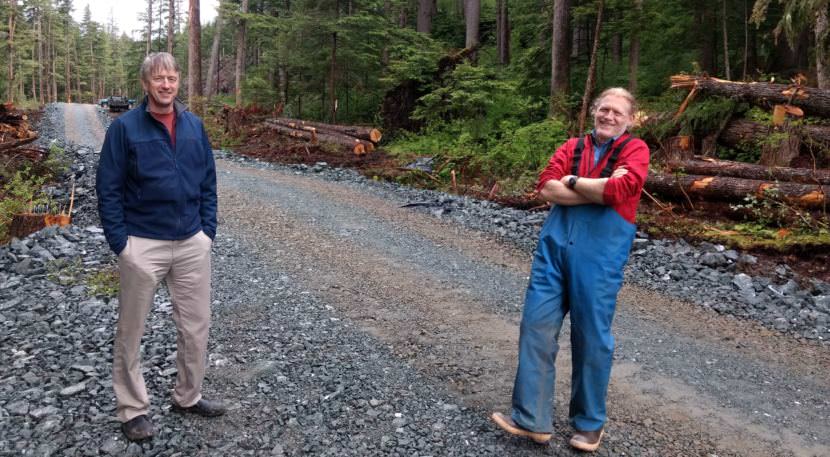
118, 103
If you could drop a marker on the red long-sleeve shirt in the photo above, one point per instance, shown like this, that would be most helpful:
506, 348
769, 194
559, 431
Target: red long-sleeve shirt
622, 194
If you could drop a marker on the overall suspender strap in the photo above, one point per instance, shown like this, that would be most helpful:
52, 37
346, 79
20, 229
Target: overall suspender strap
615, 154
580, 145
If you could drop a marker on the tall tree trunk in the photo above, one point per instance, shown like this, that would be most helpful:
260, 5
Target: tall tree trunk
240, 54
503, 32
34, 75
616, 48
149, 27
472, 16
93, 88
560, 55
705, 26
634, 49
402, 17
78, 91
822, 41
40, 55
426, 10
726, 65
333, 68
194, 53
745, 73
213, 67
282, 77
10, 81
67, 81
384, 53
592, 69
53, 58
171, 21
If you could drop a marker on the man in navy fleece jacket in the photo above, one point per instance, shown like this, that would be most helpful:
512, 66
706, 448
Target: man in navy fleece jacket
156, 188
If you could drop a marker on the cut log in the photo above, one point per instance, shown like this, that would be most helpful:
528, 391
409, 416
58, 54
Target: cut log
730, 189
742, 132
357, 146
711, 167
812, 100
9, 115
15, 143
364, 133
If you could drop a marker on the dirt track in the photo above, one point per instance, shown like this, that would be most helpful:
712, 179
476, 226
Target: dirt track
685, 382
307, 270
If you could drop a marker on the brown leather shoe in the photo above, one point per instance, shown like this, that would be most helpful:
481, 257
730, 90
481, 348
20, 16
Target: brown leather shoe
203, 407
506, 423
586, 441
138, 428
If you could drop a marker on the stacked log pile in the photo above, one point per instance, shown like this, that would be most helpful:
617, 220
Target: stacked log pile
701, 177
359, 140
721, 180
14, 129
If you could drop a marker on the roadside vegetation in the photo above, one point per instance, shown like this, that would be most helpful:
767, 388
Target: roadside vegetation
482, 92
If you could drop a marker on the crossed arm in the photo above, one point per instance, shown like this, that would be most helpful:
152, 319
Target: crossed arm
586, 190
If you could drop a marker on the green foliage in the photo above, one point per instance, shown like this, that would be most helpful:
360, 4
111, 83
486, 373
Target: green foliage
510, 154
525, 149
56, 163
66, 272
18, 194
707, 115
772, 210
741, 153
258, 91
103, 283
477, 95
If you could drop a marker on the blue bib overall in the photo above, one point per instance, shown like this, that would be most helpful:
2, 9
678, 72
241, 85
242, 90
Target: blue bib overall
577, 268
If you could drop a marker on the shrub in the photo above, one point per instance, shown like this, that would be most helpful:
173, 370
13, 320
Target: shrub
18, 195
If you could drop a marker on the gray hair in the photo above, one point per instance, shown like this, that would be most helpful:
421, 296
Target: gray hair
156, 62
619, 92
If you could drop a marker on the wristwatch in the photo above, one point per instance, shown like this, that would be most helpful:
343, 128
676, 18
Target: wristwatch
572, 181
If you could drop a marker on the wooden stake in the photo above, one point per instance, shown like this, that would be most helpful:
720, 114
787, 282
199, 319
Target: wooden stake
71, 199
493, 191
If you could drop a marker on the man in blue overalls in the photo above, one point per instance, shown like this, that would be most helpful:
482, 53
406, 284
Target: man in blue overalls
595, 183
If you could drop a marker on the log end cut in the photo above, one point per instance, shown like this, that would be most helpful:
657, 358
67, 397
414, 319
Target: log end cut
375, 135
813, 199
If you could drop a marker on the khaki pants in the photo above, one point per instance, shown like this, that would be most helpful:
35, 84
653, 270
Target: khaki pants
185, 266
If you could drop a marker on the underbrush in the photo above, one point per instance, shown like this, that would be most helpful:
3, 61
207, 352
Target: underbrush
21, 186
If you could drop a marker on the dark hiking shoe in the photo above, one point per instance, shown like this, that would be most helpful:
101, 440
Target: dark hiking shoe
586, 441
203, 407
506, 423
138, 428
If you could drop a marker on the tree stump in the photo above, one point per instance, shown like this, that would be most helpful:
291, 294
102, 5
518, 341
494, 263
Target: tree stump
780, 154
25, 224
680, 148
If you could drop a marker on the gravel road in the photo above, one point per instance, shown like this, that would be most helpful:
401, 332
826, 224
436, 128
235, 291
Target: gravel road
360, 318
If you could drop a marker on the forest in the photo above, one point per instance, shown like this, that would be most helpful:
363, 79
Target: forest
485, 89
